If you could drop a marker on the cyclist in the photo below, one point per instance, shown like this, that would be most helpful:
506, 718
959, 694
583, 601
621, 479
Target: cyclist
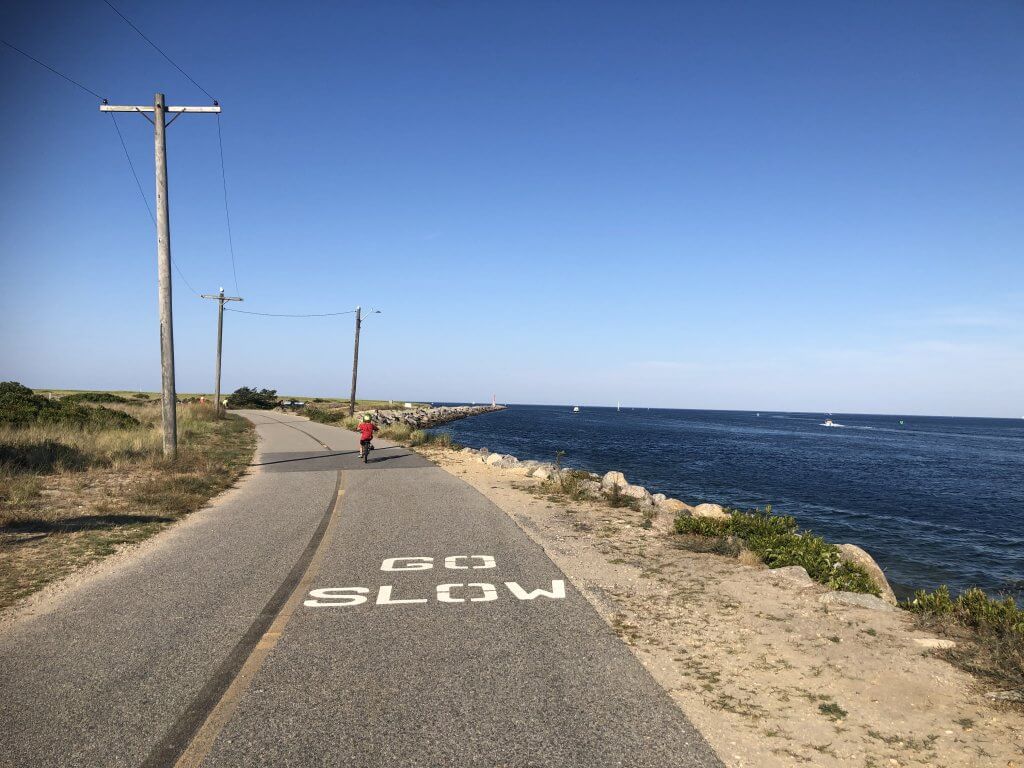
366, 430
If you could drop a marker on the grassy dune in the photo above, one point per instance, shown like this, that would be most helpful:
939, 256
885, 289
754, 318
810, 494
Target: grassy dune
70, 496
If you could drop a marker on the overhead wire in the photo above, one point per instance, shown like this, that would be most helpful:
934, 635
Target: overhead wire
227, 211
157, 49
273, 314
145, 200
220, 139
124, 146
47, 66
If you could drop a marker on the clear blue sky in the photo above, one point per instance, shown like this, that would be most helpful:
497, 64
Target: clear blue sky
794, 206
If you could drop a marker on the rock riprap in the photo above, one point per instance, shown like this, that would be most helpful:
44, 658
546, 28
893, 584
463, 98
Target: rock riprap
424, 418
851, 553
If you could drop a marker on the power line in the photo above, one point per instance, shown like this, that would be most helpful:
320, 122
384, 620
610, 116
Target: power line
47, 66
157, 49
227, 212
220, 139
272, 314
145, 200
128, 157
124, 146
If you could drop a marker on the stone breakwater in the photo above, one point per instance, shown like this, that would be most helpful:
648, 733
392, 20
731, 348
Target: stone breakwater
664, 510
424, 418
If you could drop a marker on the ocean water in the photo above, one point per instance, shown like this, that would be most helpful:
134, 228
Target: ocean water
935, 500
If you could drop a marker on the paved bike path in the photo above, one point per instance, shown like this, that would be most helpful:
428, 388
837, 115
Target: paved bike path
472, 675
97, 677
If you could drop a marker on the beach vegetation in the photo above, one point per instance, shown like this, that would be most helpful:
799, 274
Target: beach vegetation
21, 407
778, 542
833, 711
72, 492
250, 397
94, 397
398, 432
989, 632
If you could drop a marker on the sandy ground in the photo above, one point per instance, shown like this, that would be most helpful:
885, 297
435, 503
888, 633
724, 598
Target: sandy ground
770, 675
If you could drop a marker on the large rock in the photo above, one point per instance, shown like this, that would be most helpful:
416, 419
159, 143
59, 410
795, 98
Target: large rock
855, 599
507, 462
663, 521
543, 472
493, 459
851, 553
710, 510
658, 498
636, 492
675, 508
612, 479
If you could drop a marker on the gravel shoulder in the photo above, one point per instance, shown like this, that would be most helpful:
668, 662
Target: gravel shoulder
769, 674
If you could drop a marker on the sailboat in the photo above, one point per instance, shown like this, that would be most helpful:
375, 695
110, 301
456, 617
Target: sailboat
619, 406
575, 409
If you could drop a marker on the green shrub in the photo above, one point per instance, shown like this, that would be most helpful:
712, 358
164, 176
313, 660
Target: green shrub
418, 437
989, 632
326, 415
701, 526
141, 396
570, 482
21, 407
397, 432
972, 608
94, 397
778, 542
441, 439
246, 397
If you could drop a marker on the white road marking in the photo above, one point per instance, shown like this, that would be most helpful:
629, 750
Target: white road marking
384, 598
343, 597
557, 591
490, 593
444, 593
413, 564
338, 596
487, 561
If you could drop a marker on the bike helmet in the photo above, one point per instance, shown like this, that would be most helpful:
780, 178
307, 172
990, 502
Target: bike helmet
367, 417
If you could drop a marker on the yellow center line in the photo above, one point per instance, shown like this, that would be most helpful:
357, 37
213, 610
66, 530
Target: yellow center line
201, 744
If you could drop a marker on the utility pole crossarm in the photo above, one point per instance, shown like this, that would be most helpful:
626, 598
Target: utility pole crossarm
116, 108
220, 297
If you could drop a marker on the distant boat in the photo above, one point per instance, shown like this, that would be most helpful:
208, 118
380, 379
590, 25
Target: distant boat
830, 423
619, 406
575, 409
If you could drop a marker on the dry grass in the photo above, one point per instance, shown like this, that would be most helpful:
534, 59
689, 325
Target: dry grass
69, 497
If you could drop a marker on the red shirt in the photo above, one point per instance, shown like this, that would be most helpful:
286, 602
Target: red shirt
366, 430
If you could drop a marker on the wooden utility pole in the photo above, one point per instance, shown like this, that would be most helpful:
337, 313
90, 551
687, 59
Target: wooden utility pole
221, 298
355, 359
163, 256
355, 363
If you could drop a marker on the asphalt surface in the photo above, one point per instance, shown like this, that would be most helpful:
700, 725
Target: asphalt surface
126, 668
